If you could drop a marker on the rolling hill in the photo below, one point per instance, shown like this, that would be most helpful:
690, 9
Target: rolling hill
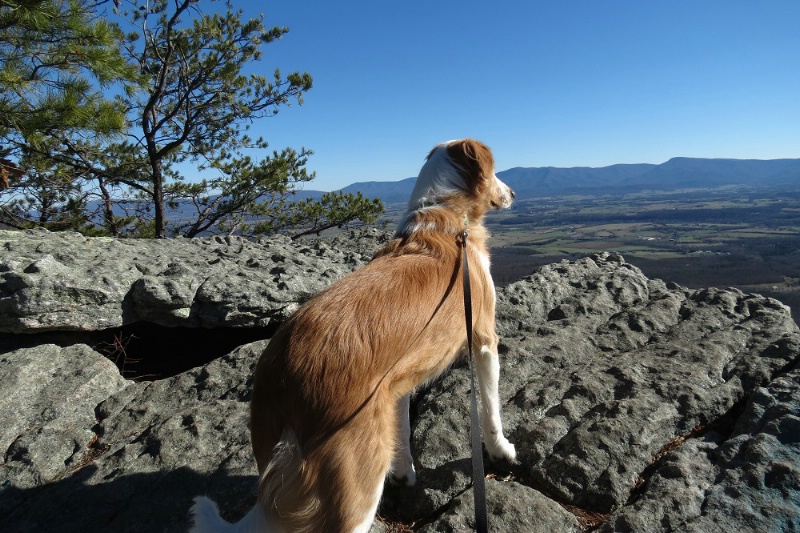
677, 173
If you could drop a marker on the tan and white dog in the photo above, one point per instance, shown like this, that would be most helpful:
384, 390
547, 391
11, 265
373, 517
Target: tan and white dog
329, 413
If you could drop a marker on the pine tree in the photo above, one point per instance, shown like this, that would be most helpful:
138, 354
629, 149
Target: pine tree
197, 107
187, 100
56, 58
51, 54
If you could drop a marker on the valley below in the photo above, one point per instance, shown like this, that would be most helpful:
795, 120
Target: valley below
741, 236
734, 236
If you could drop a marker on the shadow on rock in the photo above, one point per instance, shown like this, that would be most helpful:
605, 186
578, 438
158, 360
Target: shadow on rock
143, 502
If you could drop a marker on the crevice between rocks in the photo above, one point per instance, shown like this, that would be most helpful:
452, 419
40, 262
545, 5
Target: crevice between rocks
93, 450
144, 351
724, 425
394, 525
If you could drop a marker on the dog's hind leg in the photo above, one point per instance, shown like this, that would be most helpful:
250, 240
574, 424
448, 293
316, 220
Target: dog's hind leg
487, 365
366, 524
403, 464
352, 465
337, 487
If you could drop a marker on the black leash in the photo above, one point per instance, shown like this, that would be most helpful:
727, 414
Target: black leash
478, 479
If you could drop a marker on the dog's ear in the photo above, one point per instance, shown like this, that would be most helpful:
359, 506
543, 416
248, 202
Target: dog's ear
474, 160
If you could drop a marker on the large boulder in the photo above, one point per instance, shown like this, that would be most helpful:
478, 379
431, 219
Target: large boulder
48, 397
65, 281
149, 446
604, 373
634, 404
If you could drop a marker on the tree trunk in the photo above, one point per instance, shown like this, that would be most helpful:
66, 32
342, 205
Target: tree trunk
108, 209
158, 199
156, 173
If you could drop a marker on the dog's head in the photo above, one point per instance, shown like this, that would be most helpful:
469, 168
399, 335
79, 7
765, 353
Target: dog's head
462, 168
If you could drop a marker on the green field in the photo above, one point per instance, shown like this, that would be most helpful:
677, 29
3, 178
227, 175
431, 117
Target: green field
729, 237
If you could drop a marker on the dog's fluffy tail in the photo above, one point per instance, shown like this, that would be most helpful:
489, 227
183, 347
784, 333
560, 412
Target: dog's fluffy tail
287, 484
207, 519
284, 485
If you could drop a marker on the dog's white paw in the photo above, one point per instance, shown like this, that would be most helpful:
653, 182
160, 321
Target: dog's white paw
500, 449
407, 478
403, 472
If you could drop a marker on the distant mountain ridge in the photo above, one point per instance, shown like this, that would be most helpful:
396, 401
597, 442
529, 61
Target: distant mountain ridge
391, 192
677, 173
532, 182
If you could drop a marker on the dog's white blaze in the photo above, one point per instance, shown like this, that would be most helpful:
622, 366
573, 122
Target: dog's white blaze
507, 195
485, 264
438, 177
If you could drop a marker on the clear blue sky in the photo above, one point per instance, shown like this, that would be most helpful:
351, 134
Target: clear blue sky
558, 83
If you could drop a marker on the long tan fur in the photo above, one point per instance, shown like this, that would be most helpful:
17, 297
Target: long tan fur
326, 389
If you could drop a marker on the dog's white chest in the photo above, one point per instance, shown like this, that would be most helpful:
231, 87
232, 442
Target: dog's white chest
485, 266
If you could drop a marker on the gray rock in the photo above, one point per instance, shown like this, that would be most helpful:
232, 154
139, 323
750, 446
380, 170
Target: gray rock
47, 400
634, 365
65, 281
746, 481
759, 465
510, 507
157, 445
635, 405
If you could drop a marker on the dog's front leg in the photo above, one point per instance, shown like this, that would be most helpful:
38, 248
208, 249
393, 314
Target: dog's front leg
487, 365
403, 464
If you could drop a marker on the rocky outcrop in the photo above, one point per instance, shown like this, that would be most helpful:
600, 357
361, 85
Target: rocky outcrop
47, 397
634, 404
65, 281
